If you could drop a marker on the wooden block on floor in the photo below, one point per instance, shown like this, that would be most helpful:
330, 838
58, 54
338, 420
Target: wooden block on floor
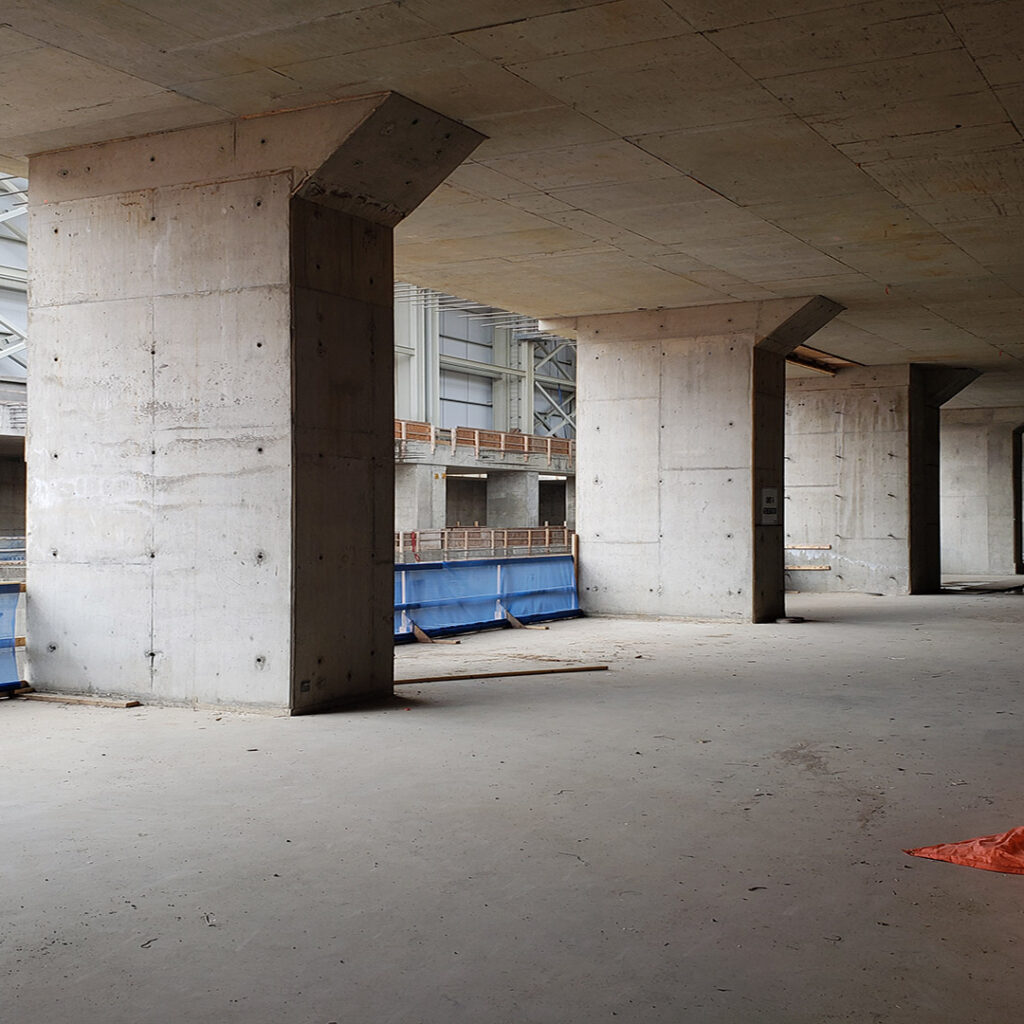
67, 698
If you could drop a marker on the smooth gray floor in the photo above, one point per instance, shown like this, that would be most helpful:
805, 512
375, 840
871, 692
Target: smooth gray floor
710, 831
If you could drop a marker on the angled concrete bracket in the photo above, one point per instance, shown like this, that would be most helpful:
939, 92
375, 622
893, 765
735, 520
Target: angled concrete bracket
393, 159
784, 324
940, 383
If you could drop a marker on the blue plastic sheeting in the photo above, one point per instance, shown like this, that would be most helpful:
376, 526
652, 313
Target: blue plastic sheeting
455, 597
9, 677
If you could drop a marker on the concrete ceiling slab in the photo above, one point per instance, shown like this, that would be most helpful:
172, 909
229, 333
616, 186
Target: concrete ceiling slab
877, 84
994, 35
897, 118
597, 28
640, 153
459, 16
336, 34
534, 131
227, 19
822, 40
712, 14
592, 163
791, 157
660, 86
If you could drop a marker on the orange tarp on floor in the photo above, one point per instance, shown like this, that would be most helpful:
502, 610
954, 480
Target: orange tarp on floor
1002, 852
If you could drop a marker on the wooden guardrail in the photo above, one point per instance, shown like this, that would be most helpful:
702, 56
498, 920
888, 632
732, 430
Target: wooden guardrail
486, 440
481, 542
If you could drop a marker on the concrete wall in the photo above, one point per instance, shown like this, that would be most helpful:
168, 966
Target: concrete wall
512, 499
848, 479
465, 458
664, 457
420, 496
981, 514
467, 501
160, 335
862, 453
422, 500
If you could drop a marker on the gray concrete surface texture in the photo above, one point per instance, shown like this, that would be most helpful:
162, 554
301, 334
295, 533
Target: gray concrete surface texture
680, 456
640, 155
980, 471
709, 832
466, 498
211, 411
420, 496
465, 459
513, 499
862, 475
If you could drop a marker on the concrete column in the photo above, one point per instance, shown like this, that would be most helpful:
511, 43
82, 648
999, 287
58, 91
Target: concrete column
679, 456
570, 502
513, 498
420, 497
980, 472
210, 453
862, 475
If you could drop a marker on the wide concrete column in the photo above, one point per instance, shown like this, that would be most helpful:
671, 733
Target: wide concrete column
862, 476
513, 498
420, 496
210, 436
679, 456
980, 490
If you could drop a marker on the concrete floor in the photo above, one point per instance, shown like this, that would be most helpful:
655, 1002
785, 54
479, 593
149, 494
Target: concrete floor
710, 831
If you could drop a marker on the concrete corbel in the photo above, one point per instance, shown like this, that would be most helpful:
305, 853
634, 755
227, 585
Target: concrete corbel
784, 324
941, 383
392, 160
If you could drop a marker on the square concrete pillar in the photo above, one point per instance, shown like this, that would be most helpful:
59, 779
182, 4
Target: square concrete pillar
862, 478
210, 436
513, 498
679, 456
980, 472
420, 496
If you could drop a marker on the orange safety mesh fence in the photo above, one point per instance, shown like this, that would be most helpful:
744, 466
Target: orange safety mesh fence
1001, 852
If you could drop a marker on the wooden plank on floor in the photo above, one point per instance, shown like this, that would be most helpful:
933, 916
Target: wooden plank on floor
67, 698
503, 675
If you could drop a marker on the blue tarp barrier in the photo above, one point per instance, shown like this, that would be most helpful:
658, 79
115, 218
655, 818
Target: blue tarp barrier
455, 597
9, 676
